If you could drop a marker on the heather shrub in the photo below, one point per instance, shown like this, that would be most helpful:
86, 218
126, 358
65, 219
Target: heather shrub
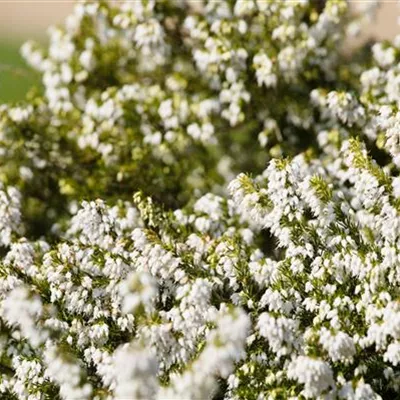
203, 202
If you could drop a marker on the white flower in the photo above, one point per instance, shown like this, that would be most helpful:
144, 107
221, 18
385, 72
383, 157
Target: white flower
384, 57
87, 60
345, 107
95, 224
339, 346
138, 289
392, 353
281, 333
264, 70
314, 374
67, 374
10, 214
135, 373
23, 310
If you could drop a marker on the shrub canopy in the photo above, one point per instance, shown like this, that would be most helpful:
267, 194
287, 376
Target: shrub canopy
204, 202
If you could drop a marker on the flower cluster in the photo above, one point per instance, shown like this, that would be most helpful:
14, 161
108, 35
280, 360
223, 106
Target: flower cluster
203, 202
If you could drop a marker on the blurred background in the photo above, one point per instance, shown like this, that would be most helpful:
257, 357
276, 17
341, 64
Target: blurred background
21, 20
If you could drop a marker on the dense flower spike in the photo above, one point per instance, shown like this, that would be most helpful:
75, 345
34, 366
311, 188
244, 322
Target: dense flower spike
203, 203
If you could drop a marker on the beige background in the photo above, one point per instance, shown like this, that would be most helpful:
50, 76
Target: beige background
30, 18
24, 19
